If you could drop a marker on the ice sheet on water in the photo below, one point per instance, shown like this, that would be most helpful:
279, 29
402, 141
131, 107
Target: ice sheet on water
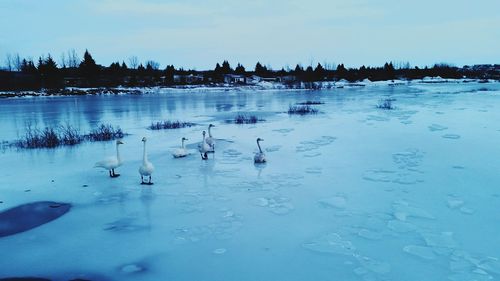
375, 266
409, 159
331, 243
404, 209
222, 229
440, 240
401, 226
285, 131
306, 146
451, 136
437, 127
219, 251
277, 204
128, 224
370, 234
379, 175
420, 251
314, 170
337, 202
132, 268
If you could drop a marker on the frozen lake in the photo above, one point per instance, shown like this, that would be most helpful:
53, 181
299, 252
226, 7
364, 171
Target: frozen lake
352, 193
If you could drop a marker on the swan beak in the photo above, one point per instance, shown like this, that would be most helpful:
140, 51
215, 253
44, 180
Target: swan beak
120, 142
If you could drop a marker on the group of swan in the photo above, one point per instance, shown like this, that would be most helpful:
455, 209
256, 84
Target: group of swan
113, 162
206, 146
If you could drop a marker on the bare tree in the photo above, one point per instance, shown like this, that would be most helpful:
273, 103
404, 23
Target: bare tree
16, 62
8, 62
154, 65
133, 62
73, 59
63, 60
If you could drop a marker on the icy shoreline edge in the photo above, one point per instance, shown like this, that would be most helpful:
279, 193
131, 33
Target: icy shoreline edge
261, 86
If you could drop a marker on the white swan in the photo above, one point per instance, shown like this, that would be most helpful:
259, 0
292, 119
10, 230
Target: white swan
210, 140
112, 162
259, 157
203, 148
147, 167
182, 151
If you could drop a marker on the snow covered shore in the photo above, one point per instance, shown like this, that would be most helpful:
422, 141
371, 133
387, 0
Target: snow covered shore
260, 86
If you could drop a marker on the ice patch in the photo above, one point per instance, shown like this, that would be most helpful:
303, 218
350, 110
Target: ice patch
314, 170
374, 265
401, 226
451, 136
437, 127
420, 251
440, 240
306, 146
408, 210
454, 203
467, 211
131, 269
408, 160
338, 202
369, 234
277, 205
331, 243
379, 175
219, 251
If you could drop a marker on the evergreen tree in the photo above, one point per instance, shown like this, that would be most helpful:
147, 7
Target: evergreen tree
226, 68
260, 70
319, 72
240, 69
88, 68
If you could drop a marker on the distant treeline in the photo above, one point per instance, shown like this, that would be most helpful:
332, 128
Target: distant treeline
45, 73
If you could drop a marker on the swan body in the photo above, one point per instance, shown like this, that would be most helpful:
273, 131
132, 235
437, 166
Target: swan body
204, 148
147, 168
182, 151
210, 140
259, 157
112, 162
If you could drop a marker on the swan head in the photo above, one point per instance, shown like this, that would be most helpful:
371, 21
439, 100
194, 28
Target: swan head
259, 139
184, 139
144, 139
118, 142
204, 133
211, 125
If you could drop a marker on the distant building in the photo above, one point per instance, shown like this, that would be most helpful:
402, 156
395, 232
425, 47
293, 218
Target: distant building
188, 79
234, 79
287, 78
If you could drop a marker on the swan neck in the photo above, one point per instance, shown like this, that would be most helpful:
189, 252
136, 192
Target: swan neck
118, 154
182, 144
209, 133
145, 155
258, 144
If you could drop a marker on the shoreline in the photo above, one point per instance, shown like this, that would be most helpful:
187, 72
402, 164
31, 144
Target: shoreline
261, 86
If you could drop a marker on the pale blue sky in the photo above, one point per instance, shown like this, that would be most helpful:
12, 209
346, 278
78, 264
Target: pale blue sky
197, 34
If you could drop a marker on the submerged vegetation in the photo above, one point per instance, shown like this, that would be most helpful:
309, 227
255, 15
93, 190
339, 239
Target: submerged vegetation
386, 104
51, 137
302, 109
165, 125
246, 119
105, 133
